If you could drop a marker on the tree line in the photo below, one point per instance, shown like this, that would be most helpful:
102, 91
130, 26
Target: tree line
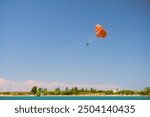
85, 91
76, 91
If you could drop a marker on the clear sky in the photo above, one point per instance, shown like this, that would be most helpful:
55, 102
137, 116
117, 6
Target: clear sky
45, 41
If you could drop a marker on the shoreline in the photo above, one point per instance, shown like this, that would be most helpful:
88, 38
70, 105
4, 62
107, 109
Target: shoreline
73, 95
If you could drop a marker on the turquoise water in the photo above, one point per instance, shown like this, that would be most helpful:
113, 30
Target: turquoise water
75, 98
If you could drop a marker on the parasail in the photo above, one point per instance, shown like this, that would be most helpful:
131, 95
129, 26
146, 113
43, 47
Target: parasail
100, 32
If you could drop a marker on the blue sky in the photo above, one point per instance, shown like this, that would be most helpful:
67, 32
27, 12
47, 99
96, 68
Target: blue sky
46, 41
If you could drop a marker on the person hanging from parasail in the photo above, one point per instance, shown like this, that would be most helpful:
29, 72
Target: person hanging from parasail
99, 32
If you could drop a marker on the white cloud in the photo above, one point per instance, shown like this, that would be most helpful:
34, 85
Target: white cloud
7, 85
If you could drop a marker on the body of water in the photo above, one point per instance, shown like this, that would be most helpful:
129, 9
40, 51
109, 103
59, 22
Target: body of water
75, 98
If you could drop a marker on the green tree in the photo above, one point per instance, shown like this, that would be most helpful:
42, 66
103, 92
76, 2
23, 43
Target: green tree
74, 91
38, 93
109, 92
45, 92
34, 90
92, 90
66, 89
40, 90
82, 90
57, 91
146, 91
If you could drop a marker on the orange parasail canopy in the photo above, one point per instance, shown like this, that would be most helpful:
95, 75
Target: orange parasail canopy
100, 32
